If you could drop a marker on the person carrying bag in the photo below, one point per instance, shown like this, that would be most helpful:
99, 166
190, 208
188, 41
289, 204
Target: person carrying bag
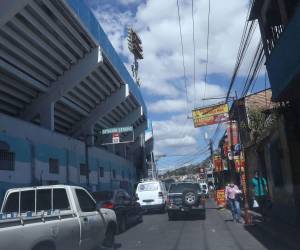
260, 189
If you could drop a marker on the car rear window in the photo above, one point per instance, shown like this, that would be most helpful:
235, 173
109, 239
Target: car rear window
148, 187
103, 195
181, 187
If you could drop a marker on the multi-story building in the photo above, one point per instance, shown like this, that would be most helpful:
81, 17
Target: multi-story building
61, 82
279, 22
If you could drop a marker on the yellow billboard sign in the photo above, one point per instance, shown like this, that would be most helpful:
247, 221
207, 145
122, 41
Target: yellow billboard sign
210, 115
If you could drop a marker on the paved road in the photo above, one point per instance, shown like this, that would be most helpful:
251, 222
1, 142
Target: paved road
217, 232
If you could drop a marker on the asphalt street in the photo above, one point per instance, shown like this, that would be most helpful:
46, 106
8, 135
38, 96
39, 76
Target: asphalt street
216, 232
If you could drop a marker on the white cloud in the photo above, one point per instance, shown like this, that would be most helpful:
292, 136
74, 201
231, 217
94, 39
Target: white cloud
168, 105
126, 2
161, 70
157, 24
178, 142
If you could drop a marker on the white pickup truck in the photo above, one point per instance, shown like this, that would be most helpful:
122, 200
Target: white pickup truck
55, 217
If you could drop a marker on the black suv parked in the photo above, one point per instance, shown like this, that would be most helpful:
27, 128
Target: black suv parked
185, 197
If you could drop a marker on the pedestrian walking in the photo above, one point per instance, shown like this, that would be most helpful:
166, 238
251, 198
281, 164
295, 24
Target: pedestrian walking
232, 196
260, 189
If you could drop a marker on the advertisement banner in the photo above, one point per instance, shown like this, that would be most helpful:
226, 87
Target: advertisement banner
218, 163
220, 197
115, 135
210, 115
232, 134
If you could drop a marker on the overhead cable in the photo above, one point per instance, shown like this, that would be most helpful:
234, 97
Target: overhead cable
183, 60
207, 49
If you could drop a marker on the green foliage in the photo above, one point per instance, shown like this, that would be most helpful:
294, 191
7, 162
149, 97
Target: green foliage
259, 123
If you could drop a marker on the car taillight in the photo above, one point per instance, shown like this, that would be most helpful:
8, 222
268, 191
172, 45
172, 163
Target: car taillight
160, 194
108, 205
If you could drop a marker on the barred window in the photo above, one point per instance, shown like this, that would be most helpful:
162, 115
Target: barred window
53, 166
7, 160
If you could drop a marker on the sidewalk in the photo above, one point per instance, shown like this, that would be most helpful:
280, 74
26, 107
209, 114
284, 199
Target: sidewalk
285, 234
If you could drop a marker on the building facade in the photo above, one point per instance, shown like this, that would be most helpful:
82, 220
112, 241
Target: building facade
61, 84
279, 23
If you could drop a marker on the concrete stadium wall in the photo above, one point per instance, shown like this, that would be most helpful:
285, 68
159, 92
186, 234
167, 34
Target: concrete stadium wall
34, 145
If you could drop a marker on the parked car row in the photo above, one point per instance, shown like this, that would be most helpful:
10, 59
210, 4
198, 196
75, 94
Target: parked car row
69, 217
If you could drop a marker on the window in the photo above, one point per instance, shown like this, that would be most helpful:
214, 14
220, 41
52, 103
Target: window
101, 171
114, 173
148, 187
27, 201
60, 199
123, 174
7, 160
86, 203
12, 203
181, 187
53, 166
83, 169
43, 200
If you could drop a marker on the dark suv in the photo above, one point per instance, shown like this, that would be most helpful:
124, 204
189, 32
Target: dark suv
187, 198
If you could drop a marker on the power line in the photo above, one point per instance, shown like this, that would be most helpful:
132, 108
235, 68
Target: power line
244, 45
183, 60
207, 49
194, 53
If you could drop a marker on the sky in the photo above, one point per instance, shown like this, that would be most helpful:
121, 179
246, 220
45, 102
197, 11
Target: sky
161, 70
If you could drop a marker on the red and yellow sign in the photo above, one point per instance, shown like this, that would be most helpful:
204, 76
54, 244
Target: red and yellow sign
210, 115
218, 163
220, 197
232, 134
239, 162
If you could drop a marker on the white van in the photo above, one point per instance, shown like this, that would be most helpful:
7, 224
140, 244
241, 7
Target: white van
152, 195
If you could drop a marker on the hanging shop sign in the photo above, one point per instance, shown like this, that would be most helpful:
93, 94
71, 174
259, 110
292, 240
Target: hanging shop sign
232, 134
218, 163
220, 197
239, 162
116, 135
210, 115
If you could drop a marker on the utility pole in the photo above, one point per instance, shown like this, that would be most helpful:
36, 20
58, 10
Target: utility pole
248, 217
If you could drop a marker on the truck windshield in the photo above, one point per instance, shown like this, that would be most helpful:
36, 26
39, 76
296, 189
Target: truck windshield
181, 187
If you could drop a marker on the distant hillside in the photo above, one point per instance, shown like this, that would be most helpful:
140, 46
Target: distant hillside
187, 170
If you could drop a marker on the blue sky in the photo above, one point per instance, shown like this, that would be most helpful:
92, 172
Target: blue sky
161, 71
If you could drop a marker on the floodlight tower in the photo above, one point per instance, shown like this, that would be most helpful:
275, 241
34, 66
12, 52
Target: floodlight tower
135, 47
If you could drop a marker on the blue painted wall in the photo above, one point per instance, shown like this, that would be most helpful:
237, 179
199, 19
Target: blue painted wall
48, 144
284, 62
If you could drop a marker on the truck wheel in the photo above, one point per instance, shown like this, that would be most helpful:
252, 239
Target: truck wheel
109, 240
